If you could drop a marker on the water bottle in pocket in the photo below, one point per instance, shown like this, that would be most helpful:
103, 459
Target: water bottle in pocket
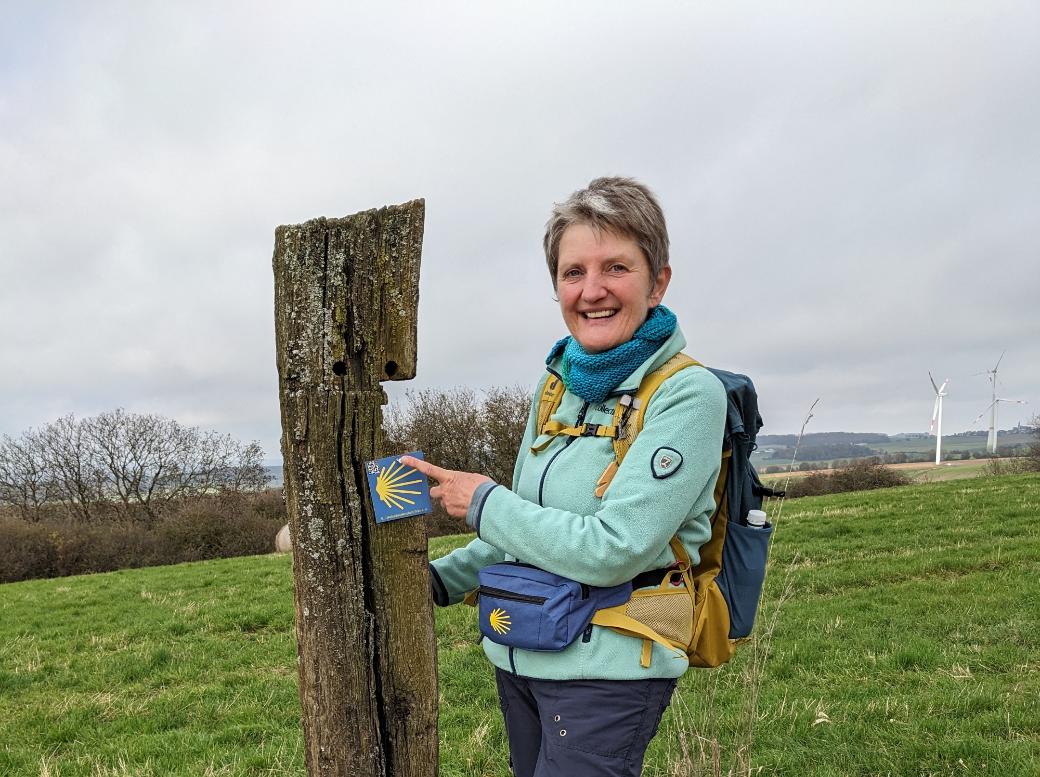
743, 570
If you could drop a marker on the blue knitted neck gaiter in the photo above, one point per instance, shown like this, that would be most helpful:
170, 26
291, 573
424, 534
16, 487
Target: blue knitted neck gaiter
592, 376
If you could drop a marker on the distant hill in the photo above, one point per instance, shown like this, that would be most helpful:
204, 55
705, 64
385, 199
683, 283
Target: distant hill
776, 451
822, 438
854, 438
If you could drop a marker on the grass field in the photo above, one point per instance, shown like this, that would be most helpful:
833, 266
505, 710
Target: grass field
901, 635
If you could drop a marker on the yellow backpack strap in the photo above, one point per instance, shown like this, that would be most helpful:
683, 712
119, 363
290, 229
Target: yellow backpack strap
629, 412
681, 555
585, 430
644, 393
548, 403
628, 420
617, 619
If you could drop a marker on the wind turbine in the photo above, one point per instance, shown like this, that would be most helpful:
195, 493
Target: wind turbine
991, 441
937, 416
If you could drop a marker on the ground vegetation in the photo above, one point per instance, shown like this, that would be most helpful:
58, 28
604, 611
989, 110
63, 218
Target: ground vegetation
898, 635
857, 475
196, 528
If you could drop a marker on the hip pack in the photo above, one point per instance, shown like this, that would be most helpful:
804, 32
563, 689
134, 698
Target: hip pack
525, 607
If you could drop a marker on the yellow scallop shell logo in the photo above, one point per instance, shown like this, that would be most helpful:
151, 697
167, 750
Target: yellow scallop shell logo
499, 620
392, 486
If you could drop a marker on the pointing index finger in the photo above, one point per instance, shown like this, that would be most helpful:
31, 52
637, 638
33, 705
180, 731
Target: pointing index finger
425, 467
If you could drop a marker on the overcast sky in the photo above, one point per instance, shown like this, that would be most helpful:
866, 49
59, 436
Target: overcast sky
852, 191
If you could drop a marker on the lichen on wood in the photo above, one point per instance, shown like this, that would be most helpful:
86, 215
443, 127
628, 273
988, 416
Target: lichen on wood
346, 299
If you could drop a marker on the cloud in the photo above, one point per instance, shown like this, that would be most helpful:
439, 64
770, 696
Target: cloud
851, 190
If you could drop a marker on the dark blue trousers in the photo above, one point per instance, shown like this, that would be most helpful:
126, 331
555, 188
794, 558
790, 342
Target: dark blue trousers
580, 728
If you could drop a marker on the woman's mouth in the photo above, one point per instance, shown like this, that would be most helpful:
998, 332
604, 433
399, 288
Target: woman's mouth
600, 314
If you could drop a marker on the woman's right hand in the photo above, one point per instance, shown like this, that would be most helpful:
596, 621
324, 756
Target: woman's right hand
454, 489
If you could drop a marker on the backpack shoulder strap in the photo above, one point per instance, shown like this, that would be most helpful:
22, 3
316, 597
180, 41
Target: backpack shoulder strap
647, 388
548, 402
629, 412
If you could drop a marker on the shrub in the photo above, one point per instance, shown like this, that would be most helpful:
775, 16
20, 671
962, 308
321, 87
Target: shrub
1032, 457
857, 476
26, 551
217, 528
200, 528
1007, 467
83, 548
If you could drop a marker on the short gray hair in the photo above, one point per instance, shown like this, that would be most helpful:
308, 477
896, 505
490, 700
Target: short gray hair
619, 205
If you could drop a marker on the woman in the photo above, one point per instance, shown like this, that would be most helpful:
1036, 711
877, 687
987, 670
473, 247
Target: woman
593, 707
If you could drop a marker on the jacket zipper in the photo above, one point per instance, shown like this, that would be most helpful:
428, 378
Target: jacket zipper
541, 482
587, 635
499, 593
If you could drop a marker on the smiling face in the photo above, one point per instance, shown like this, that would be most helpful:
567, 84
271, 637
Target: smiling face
605, 289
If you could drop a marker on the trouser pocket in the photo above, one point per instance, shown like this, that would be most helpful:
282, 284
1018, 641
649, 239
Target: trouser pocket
599, 728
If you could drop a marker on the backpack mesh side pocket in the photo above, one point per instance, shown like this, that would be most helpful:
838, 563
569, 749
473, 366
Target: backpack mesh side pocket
669, 613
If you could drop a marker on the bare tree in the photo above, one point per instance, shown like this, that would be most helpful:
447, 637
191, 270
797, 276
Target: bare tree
122, 443
459, 431
443, 424
248, 472
128, 464
504, 417
23, 475
75, 477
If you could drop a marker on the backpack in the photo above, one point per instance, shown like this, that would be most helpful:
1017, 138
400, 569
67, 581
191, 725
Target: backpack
716, 607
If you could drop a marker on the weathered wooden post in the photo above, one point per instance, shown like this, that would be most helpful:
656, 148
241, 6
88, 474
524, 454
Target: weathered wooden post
346, 294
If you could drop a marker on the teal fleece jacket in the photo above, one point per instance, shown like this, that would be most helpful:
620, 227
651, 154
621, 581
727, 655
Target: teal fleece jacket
552, 519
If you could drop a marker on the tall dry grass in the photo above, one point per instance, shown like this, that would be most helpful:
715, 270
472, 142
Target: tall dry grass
706, 747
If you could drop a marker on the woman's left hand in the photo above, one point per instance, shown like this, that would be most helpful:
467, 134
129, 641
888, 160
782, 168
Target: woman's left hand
454, 489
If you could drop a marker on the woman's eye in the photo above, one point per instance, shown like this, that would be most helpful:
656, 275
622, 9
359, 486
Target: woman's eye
570, 274
618, 268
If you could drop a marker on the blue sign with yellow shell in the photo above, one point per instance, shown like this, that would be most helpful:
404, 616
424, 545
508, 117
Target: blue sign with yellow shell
397, 491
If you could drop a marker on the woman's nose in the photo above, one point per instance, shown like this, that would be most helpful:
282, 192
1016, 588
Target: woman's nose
593, 288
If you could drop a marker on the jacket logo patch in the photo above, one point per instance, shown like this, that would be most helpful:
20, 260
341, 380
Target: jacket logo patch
665, 462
